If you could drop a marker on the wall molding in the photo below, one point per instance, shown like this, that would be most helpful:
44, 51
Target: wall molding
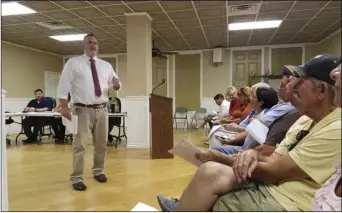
31, 48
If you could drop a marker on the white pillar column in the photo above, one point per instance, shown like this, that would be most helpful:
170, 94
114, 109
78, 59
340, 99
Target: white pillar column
4, 191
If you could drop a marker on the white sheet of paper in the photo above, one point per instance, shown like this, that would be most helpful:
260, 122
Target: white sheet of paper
142, 207
257, 130
187, 151
216, 127
71, 126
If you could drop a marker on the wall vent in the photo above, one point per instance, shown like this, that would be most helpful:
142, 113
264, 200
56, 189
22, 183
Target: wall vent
243, 9
54, 25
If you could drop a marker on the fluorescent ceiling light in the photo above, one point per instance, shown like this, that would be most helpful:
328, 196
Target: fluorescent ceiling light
74, 37
14, 8
254, 25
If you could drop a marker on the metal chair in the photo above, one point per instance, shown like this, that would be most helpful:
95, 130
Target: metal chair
116, 121
181, 113
47, 126
199, 115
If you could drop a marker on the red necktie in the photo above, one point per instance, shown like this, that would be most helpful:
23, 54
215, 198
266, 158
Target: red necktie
95, 78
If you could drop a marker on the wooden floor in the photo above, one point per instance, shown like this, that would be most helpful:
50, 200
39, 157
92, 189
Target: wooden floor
38, 177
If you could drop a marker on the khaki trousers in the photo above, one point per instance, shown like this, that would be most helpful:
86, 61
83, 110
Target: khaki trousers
94, 121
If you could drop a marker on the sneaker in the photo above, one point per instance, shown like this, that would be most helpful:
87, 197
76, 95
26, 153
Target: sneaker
167, 205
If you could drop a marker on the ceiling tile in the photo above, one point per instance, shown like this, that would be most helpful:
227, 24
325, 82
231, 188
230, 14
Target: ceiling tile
113, 28
176, 5
115, 10
301, 14
190, 30
182, 14
241, 2
73, 4
170, 38
207, 4
323, 21
12, 29
40, 6
305, 5
323, 35
60, 15
279, 36
5, 35
214, 29
112, 40
334, 4
94, 30
213, 21
258, 41
46, 33
270, 7
189, 37
215, 34
168, 32
77, 23
13, 20
280, 40
158, 17
244, 33
150, 7
213, 12
315, 27
180, 46
102, 21
32, 27
264, 31
120, 19
121, 35
288, 29
162, 25
87, 13
187, 23
238, 41
292, 22
36, 17
100, 3
104, 35
217, 42
330, 12
271, 16
335, 26
242, 18
68, 31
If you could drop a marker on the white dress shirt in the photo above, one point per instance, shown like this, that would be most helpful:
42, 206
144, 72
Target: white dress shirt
77, 79
224, 108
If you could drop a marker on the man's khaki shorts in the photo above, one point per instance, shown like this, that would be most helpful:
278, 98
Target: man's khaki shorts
249, 196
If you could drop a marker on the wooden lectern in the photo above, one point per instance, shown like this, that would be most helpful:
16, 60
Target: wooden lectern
161, 126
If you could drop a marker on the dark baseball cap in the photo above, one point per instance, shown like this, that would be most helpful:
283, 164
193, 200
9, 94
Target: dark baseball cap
318, 67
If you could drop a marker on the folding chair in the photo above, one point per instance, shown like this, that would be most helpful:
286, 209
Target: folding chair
181, 113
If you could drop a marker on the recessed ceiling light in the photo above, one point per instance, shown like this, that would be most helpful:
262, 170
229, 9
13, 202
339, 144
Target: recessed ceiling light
14, 8
74, 37
254, 25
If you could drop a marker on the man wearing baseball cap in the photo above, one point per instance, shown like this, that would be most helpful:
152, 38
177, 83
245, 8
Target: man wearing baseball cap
290, 177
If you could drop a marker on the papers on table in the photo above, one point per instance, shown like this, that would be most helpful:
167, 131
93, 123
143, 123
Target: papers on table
71, 126
142, 207
257, 130
187, 151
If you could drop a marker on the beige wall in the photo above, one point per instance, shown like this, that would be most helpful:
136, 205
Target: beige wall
215, 78
23, 70
187, 81
285, 56
332, 45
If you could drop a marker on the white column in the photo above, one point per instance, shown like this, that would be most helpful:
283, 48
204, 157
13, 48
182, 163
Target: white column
4, 191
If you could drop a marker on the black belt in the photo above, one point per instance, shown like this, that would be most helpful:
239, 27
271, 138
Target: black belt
94, 106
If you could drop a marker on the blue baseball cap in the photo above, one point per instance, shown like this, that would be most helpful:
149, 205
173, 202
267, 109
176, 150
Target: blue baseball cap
318, 67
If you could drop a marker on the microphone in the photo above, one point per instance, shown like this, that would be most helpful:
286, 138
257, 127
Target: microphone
163, 81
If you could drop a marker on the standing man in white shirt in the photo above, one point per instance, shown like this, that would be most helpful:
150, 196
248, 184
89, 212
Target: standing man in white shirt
88, 80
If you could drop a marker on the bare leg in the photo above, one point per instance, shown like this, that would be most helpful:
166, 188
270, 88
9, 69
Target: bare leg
206, 120
211, 180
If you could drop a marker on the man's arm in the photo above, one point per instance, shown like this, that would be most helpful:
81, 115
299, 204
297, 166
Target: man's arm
116, 86
278, 168
237, 141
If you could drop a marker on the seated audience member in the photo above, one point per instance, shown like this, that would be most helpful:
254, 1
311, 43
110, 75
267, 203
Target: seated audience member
289, 178
222, 112
262, 100
245, 108
280, 118
328, 198
40, 104
233, 98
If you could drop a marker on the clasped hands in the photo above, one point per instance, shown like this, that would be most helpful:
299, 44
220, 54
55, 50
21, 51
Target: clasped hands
244, 164
29, 109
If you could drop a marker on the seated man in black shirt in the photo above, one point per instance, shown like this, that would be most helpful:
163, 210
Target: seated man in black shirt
40, 104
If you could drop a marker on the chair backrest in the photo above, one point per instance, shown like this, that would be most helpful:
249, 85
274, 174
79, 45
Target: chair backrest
118, 101
201, 113
54, 103
181, 112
